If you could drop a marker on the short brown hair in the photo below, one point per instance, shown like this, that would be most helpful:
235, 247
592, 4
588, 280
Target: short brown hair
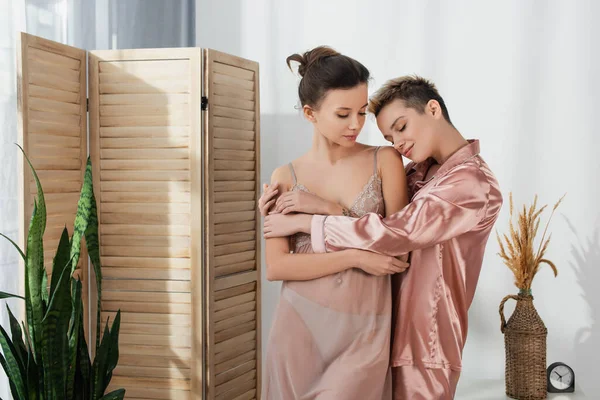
413, 90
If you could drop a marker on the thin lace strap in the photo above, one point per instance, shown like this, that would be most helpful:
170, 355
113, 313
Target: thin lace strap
375, 159
293, 173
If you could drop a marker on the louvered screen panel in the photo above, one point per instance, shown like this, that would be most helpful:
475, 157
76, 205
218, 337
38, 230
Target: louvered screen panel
145, 143
232, 227
53, 132
176, 192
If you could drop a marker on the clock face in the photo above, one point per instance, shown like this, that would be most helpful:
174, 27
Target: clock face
561, 377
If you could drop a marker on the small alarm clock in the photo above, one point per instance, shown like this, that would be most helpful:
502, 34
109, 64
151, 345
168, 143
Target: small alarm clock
561, 378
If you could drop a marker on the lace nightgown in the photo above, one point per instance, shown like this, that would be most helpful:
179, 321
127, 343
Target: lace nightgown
330, 337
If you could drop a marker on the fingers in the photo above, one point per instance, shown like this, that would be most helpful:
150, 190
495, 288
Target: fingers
285, 197
288, 209
266, 227
268, 190
269, 193
265, 210
398, 265
261, 201
273, 186
265, 188
282, 204
267, 200
268, 231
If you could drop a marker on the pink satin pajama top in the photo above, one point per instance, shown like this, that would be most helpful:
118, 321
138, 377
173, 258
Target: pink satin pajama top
445, 228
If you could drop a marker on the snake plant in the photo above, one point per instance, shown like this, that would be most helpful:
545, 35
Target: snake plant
47, 358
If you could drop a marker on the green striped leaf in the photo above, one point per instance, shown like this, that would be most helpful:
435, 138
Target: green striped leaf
33, 278
33, 379
93, 246
55, 341
82, 217
99, 383
113, 350
15, 245
74, 338
17, 338
13, 389
44, 291
4, 295
83, 385
114, 395
61, 259
14, 368
40, 192
34, 264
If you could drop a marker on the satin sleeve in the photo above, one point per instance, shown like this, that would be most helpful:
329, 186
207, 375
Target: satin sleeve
455, 205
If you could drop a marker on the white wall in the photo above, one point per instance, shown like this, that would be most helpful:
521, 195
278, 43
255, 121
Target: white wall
519, 75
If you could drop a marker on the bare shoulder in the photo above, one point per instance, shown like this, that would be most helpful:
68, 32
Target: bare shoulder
389, 159
367, 149
364, 152
282, 175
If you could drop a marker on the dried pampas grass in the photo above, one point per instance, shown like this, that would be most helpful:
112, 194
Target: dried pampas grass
518, 251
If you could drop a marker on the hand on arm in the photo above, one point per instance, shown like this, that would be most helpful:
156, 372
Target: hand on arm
453, 206
282, 265
393, 181
296, 201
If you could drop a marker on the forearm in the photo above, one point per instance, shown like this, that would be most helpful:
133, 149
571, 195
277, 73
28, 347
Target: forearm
423, 225
334, 209
456, 205
302, 267
369, 232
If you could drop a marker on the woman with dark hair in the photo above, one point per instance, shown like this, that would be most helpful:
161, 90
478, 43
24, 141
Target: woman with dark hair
330, 338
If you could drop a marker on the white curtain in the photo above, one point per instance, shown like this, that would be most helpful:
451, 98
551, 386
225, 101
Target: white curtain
87, 24
12, 20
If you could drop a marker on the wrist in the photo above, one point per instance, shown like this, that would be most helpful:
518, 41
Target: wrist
334, 209
355, 256
304, 223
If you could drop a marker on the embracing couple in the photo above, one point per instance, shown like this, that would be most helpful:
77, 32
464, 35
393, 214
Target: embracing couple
379, 262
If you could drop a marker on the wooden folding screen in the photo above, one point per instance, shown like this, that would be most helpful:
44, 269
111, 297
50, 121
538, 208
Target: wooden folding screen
145, 148
53, 133
174, 140
233, 230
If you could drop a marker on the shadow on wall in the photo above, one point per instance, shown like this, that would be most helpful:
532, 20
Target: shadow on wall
585, 261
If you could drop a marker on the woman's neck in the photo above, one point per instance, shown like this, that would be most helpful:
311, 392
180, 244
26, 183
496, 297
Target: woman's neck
324, 150
450, 141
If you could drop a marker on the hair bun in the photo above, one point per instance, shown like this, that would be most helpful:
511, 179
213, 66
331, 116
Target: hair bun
310, 58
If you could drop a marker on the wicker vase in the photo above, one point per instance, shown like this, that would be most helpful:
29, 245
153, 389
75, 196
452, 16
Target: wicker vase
525, 345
